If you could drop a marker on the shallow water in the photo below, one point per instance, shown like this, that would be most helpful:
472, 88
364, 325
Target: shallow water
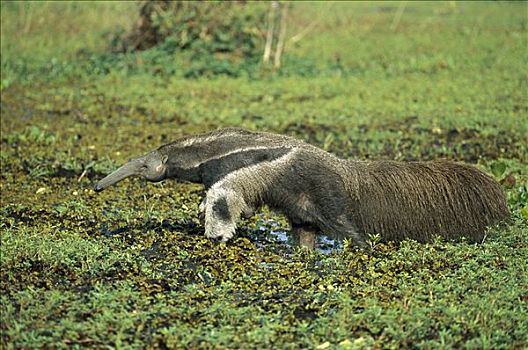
271, 230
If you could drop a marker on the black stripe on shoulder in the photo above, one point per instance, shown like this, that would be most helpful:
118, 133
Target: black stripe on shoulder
215, 169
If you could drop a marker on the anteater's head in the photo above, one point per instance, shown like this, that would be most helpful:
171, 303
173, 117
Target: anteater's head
151, 166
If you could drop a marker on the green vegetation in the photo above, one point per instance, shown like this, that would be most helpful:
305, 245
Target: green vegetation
130, 268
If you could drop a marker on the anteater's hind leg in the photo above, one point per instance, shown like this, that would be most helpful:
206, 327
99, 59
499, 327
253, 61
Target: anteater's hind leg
304, 236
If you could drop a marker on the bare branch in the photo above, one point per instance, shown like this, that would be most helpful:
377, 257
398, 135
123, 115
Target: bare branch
282, 35
269, 35
398, 15
297, 37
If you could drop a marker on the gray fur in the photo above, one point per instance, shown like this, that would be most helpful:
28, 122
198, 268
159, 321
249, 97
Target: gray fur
242, 170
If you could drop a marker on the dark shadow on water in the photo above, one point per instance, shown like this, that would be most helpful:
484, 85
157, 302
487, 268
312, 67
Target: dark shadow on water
269, 234
112, 232
153, 225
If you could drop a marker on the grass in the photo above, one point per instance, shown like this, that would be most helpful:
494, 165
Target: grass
130, 268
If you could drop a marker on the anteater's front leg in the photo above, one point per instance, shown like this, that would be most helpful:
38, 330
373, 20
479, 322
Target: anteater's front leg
223, 207
241, 192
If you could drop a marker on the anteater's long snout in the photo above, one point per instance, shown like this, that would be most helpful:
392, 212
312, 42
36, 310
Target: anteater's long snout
129, 169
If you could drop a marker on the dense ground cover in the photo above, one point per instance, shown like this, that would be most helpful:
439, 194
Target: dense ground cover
130, 267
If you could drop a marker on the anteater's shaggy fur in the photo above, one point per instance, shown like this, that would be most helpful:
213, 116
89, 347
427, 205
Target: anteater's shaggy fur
243, 170
421, 199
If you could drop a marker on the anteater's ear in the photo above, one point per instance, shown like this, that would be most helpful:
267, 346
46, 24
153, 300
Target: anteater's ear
164, 159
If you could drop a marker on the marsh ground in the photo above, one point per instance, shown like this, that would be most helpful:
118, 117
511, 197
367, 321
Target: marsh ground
130, 268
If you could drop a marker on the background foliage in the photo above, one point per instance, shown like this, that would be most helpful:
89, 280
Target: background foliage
130, 267
205, 28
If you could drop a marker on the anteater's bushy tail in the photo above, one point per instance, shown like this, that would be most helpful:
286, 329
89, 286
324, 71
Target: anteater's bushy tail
419, 200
